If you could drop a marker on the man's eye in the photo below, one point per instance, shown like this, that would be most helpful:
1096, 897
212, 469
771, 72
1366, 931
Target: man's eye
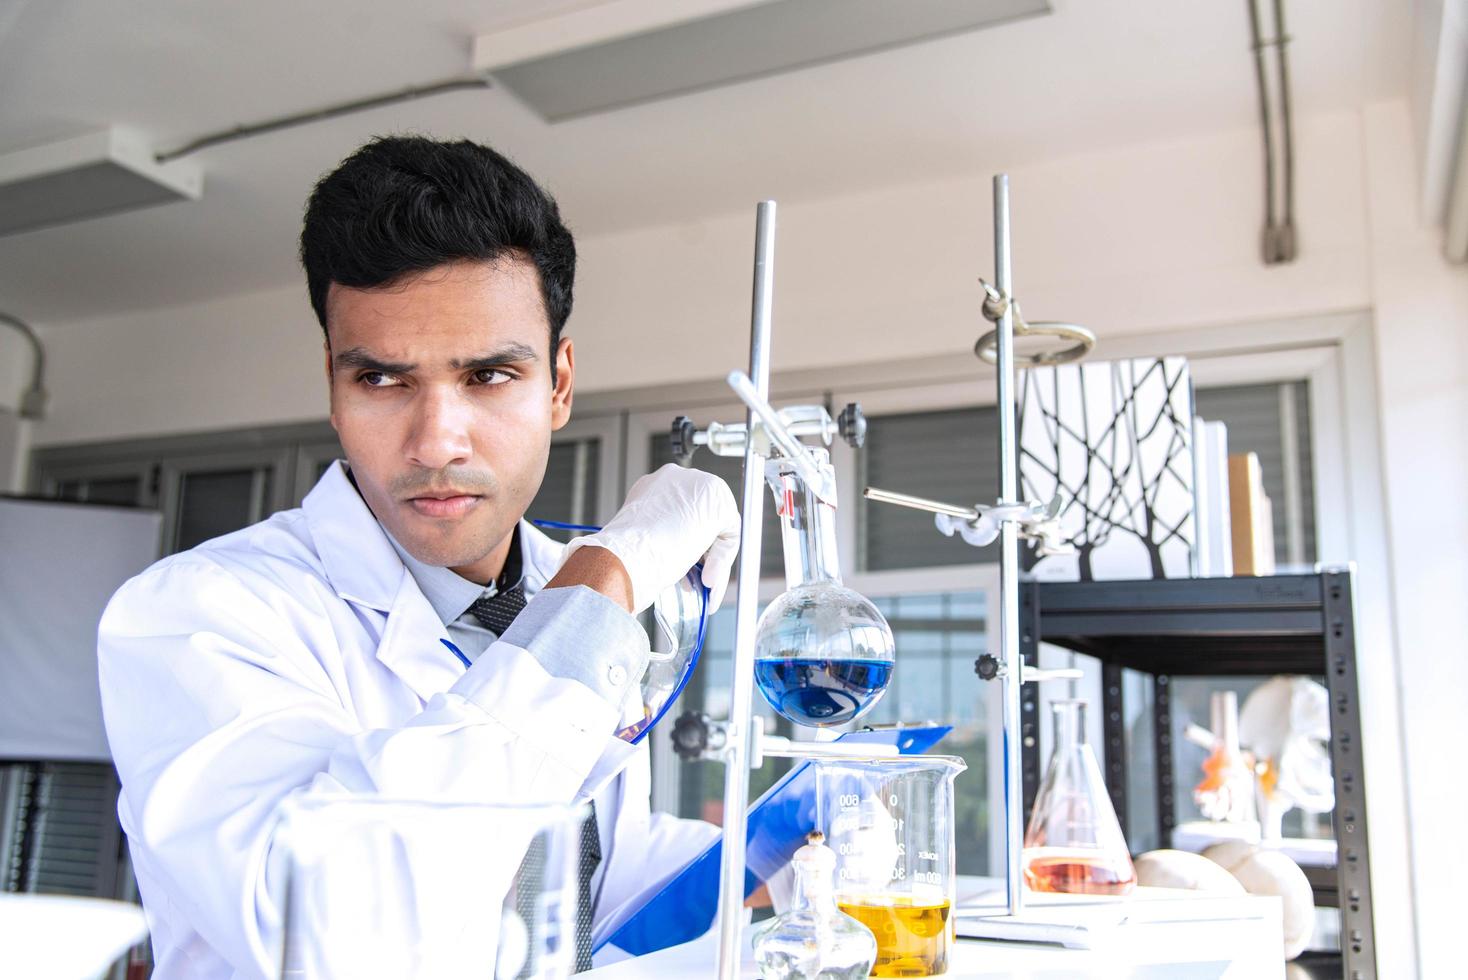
490, 376
376, 379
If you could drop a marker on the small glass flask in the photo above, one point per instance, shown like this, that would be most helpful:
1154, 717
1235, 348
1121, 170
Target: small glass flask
1074, 843
814, 940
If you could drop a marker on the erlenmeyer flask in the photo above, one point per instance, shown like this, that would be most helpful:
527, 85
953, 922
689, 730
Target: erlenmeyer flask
1074, 843
823, 653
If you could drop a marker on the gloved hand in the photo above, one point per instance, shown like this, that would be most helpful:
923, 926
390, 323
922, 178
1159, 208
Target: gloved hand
673, 518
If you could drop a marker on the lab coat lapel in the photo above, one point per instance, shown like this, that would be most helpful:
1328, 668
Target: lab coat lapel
413, 640
364, 568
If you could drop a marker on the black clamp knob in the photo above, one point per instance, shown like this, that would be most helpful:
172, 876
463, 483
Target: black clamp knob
691, 735
852, 425
987, 667
680, 440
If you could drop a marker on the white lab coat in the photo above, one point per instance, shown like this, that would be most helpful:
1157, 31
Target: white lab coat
299, 656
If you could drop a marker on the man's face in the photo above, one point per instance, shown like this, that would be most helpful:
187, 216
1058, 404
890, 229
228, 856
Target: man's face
441, 394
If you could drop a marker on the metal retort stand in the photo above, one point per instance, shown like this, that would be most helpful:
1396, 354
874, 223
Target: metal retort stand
739, 742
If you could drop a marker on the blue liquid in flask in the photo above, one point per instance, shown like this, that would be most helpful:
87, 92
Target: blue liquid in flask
822, 692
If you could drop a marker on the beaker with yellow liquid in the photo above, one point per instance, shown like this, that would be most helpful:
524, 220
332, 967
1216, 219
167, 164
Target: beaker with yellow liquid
890, 822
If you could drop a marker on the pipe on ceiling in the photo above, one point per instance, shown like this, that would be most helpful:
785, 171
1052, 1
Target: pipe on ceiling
33, 401
1278, 239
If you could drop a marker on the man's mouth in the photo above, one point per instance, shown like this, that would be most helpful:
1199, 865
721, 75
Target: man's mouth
444, 503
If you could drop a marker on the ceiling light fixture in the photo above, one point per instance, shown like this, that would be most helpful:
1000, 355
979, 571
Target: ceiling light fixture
101, 173
116, 170
610, 71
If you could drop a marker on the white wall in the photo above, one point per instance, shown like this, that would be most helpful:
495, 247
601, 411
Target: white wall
1421, 306
1129, 240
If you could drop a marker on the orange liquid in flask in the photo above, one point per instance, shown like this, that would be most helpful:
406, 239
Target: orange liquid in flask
1077, 873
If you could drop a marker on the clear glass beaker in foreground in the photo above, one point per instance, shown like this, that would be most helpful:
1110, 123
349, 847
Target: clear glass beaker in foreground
415, 889
1074, 843
890, 822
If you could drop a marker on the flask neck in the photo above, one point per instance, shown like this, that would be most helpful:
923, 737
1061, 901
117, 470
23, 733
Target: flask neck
807, 526
1070, 724
812, 891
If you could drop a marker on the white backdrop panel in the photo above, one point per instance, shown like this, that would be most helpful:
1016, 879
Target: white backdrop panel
59, 564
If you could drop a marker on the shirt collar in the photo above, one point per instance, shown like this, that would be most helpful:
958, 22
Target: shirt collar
449, 593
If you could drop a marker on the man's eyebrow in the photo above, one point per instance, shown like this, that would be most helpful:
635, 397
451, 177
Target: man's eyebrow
360, 357
508, 354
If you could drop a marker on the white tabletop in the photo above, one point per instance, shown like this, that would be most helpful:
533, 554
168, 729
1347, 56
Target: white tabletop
59, 937
1206, 939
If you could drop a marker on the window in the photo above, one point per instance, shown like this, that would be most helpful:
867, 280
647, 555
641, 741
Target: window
944, 456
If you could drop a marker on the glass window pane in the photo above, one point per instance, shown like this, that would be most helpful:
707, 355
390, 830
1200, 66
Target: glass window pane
730, 469
211, 504
949, 456
568, 492
118, 490
69, 490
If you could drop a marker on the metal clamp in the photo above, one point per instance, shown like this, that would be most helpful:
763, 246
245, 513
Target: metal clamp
990, 667
1040, 525
801, 421
996, 304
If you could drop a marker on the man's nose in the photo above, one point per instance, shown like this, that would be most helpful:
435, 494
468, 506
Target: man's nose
441, 431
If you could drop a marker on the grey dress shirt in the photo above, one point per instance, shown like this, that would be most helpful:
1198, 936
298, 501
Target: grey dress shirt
575, 633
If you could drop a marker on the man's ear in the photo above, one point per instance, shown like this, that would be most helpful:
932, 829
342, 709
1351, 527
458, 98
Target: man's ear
565, 383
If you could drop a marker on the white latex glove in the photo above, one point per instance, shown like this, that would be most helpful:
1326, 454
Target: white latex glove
673, 518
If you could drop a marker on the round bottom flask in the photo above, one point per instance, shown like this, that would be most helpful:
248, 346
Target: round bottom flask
824, 654
814, 940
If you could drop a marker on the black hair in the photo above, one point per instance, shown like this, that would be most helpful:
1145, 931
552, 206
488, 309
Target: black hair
405, 204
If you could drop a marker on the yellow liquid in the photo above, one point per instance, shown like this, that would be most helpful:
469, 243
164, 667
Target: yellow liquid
912, 940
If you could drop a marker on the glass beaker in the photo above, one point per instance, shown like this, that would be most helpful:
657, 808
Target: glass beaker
379, 887
823, 653
1074, 843
890, 822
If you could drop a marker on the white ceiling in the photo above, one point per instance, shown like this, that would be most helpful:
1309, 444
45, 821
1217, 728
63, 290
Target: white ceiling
1095, 73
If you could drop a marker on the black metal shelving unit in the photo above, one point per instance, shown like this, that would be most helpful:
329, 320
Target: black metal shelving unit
1284, 624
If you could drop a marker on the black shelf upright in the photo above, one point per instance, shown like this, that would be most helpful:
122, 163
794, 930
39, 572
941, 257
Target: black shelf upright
1260, 626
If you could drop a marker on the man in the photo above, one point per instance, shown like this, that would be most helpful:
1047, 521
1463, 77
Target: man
405, 632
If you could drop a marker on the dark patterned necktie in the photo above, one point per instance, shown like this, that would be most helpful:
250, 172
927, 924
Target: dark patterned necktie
495, 613
590, 858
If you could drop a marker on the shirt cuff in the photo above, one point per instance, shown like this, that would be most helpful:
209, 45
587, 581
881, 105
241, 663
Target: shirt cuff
579, 634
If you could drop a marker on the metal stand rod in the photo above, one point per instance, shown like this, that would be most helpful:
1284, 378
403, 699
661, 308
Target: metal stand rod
741, 699
1008, 555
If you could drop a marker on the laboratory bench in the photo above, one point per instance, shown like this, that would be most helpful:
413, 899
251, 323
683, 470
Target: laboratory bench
1208, 627
1187, 936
